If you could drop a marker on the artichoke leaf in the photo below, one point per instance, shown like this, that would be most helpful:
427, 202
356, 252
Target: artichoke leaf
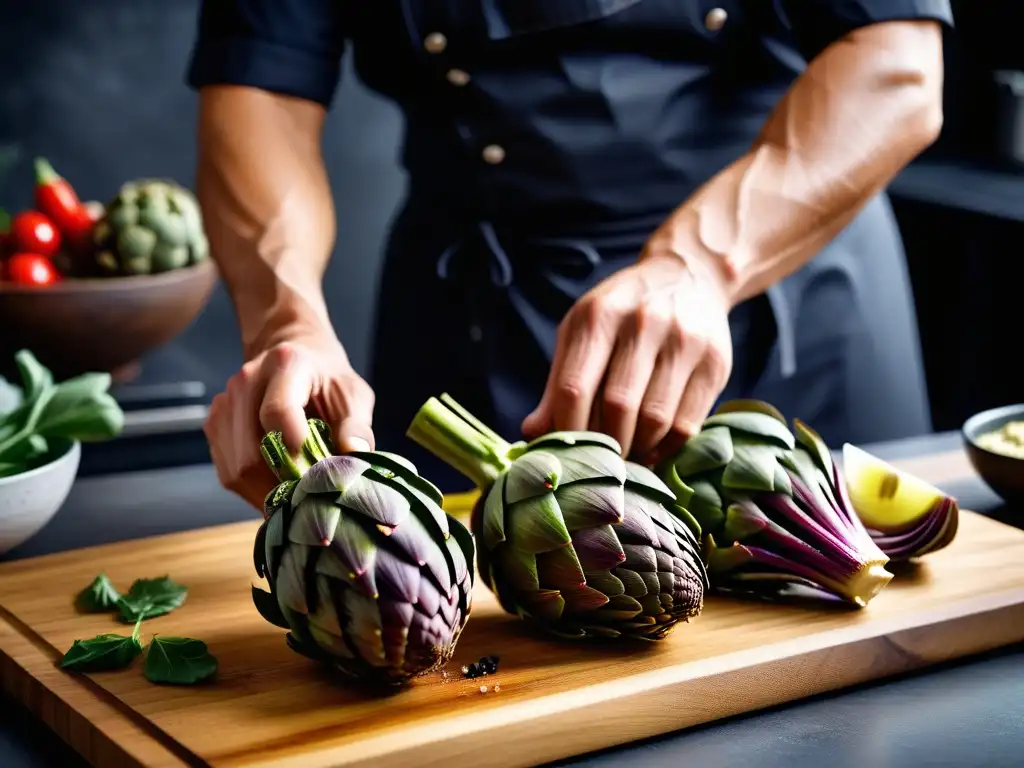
758, 425
640, 478
314, 521
741, 405
533, 474
589, 463
493, 522
709, 449
586, 504
536, 525
402, 468
333, 474
268, 608
290, 583
751, 469
373, 497
575, 438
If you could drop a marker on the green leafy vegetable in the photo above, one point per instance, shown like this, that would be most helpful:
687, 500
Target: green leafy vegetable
99, 596
178, 661
151, 597
51, 415
103, 653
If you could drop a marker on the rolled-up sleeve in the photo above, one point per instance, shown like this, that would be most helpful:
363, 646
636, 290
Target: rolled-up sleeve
282, 46
816, 24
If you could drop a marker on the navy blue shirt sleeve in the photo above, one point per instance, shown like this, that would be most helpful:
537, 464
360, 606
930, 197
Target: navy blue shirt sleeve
283, 46
816, 24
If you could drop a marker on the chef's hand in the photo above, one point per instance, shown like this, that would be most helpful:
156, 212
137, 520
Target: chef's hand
275, 390
642, 357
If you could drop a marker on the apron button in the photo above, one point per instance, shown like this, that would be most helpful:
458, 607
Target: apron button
494, 154
435, 42
715, 19
458, 77
476, 333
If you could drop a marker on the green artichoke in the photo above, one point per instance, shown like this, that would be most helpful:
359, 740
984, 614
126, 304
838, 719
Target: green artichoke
365, 569
773, 509
151, 226
570, 536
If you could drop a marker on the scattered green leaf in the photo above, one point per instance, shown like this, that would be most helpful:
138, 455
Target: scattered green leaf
178, 661
99, 596
103, 653
151, 597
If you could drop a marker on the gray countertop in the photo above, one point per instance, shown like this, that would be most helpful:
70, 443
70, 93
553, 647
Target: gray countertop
965, 715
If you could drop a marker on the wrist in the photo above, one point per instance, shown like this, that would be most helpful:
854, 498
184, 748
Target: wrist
715, 272
290, 319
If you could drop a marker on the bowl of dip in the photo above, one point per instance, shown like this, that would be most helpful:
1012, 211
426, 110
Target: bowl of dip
994, 440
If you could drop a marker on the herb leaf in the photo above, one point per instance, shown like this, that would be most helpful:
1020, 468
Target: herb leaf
35, 377
103, 653
99, 596
178, 661
151, 597
82, 409
49, 415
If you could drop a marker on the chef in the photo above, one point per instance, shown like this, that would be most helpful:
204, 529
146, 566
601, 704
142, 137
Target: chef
619, 212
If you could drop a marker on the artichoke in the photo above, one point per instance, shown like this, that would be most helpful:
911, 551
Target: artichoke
151, 226
906, 517
773, 509
365, 569
569, 535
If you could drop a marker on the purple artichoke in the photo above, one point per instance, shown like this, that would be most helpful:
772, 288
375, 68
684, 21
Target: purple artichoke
365, 569
773, 509
571, 537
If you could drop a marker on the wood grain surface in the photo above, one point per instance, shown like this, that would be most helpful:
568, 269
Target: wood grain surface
549, 699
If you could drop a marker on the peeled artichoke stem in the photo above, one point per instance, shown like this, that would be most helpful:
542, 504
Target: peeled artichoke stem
451, 433
284, 465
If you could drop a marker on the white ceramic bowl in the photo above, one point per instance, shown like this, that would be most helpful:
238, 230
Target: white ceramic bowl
30, 500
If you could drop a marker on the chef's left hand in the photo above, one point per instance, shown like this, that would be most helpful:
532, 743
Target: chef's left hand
642, 356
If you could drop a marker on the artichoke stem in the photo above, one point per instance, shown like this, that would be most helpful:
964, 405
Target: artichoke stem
287, 467
867, 583
456, 437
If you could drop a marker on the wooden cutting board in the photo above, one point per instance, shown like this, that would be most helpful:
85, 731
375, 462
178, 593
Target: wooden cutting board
271, 707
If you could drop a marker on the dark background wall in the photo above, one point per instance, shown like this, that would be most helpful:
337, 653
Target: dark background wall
97, 86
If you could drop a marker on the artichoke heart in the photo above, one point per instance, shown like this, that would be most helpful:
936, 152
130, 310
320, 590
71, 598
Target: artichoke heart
365, 569
907, 517
571, 537
773, 508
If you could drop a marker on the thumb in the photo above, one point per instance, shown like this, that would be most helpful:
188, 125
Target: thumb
539, 422
284, 403
354, 434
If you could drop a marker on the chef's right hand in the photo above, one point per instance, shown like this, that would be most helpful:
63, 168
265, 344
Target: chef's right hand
278, 389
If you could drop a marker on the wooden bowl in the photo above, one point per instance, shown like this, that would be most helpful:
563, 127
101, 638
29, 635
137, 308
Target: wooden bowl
100, 324
1003, 474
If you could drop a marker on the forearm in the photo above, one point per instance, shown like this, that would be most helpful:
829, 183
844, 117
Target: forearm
268, 210
861, 111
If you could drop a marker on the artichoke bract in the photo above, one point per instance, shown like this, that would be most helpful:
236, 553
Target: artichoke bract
365, 569
773, 509
569, 535
150, 226
906, 517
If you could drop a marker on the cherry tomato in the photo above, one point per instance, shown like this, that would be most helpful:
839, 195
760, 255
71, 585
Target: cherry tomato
32, 232
31, 269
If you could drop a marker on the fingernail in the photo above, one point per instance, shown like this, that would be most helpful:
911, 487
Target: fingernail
357, 444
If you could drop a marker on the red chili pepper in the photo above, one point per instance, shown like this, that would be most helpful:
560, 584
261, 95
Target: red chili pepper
57, 199
31, 231
31, 269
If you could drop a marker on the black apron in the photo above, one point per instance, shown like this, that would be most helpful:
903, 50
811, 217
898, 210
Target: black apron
545, 141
